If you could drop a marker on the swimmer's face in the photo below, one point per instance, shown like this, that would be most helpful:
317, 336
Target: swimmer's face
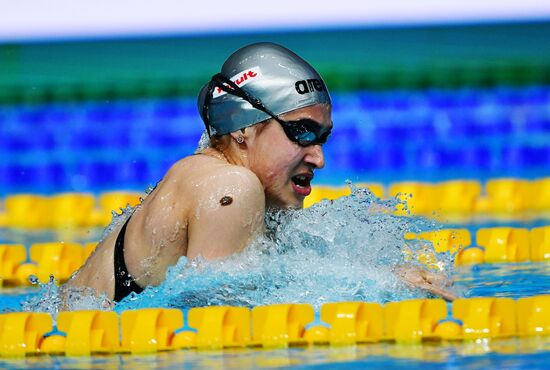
284, 167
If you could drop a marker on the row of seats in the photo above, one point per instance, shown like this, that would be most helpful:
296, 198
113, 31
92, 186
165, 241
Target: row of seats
129, 168
461, 131
501, 159
493, 245
64, 210
120, 110
87, 175
437, 126
454, 98
81, 333
456, 197
88, 139
386, 123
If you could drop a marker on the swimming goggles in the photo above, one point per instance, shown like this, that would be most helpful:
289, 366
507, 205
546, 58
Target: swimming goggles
303, 132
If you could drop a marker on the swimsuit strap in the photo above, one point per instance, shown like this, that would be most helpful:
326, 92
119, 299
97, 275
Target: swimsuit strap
124, 283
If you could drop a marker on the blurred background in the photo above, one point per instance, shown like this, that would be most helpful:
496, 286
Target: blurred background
98, 96
445, 101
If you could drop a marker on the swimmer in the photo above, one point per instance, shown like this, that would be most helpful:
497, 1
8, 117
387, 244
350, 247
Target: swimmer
267, 115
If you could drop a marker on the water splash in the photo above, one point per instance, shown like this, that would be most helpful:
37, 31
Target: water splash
118, 219
53, 298
333, 251
204, 142
337, 250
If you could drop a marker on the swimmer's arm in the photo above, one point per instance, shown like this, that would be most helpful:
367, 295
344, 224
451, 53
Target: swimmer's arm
427, 280
226, 217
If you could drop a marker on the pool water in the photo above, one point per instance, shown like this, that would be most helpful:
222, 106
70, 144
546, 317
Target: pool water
500, 280
505, 354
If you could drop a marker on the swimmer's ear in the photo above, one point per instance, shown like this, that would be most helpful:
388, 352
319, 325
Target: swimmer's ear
239, 137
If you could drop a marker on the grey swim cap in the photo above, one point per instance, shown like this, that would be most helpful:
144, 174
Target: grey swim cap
276, 76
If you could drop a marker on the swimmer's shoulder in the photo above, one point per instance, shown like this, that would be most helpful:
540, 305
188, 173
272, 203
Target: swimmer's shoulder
201, 166
206, 176
227, 210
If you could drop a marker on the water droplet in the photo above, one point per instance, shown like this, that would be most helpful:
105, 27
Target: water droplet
333, 251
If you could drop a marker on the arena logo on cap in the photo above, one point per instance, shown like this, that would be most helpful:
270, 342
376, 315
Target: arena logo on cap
241, 79
309, 86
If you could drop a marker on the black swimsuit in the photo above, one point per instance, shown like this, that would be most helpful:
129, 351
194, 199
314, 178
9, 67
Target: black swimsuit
124, 283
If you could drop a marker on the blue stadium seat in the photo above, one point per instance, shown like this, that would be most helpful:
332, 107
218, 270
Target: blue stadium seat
384, 158
101, 138
26, 140
420, 131
126, 112
340, 160
132, 174
391, 134
33, 116
111, 113
4, 116
400, 100
27, 177
343, 136
95, 175
493, 125
467, 124
506, 96
186, 125
61, 115
468, 130
469, 158
467, 98
158, 169
525, 156
442, 99
162, 138
429, 157
370, 101
99, 114
539, 95
537, 122
512, 96
173, 108
440, 158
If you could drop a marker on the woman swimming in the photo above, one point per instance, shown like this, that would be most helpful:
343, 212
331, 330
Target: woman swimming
267, 114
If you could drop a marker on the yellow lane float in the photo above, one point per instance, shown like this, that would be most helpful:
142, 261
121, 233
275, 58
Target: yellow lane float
151, 330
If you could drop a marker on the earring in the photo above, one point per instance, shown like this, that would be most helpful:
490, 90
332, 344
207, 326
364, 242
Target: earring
240, 139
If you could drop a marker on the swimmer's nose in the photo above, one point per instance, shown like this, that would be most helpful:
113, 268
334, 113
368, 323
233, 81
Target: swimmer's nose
315, 156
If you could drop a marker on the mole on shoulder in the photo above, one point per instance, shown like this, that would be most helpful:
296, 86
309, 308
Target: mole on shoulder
226, 200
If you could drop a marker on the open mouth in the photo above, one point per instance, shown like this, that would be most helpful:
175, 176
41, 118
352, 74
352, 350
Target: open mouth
302, 184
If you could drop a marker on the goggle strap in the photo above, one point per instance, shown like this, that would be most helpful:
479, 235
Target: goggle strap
230, 87
222, 82
207, 100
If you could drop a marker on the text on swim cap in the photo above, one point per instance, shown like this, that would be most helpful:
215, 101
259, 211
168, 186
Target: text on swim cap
309, 86
240, 79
